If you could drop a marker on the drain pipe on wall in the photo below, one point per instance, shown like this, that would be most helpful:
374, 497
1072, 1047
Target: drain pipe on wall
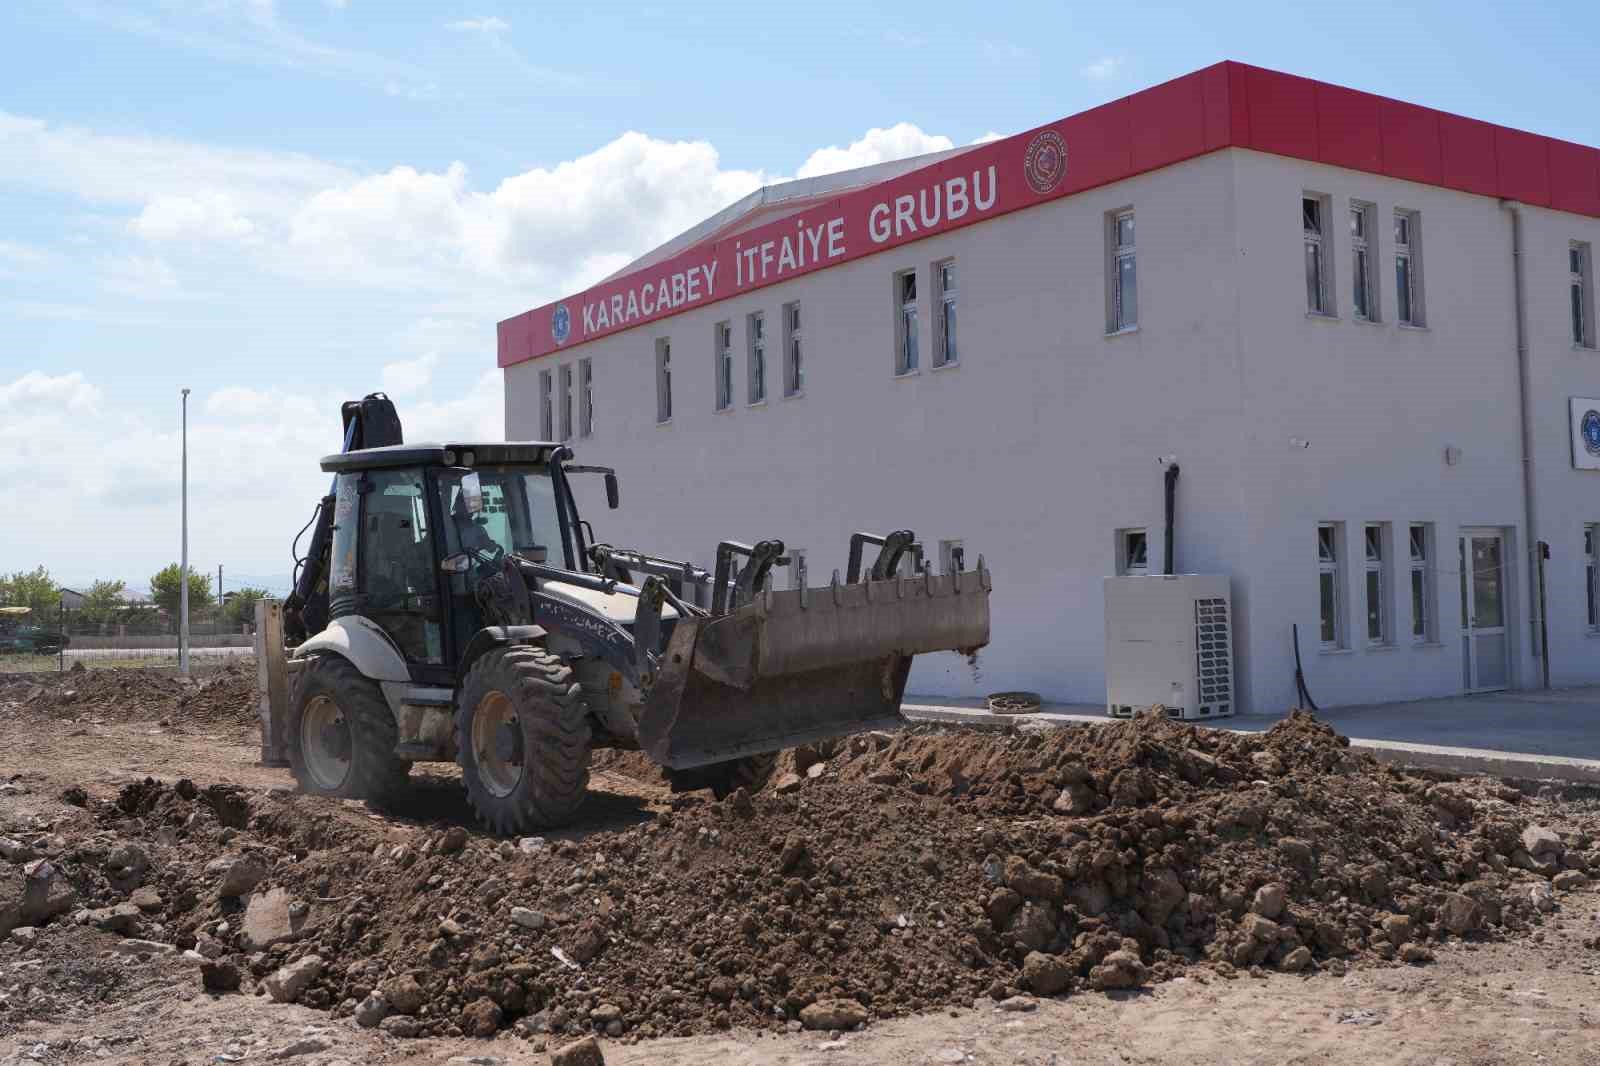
1171, 464
1531, 543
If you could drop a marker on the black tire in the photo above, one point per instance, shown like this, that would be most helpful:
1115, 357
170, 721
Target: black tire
540, 782
750, 773
374, 772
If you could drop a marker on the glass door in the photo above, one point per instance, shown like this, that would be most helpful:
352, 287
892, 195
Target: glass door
1485, 640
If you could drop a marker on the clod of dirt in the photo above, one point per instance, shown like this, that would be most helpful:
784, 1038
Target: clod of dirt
834, 1014
585, 1052
219, 976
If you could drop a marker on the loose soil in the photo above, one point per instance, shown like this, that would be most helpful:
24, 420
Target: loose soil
1111, 878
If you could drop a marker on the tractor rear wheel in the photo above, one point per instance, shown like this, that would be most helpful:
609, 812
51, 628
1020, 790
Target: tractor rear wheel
342, 734
522, 740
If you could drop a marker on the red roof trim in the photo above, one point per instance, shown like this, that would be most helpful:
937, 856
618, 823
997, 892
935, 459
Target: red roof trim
1226, 105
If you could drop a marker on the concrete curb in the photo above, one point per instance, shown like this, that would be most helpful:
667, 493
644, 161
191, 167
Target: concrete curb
1455, 760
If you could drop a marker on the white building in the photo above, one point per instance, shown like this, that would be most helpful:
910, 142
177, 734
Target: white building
1305, 294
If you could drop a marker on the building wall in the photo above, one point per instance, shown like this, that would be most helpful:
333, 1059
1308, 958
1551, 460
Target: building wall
1043, 441
1379, 404
1032, 451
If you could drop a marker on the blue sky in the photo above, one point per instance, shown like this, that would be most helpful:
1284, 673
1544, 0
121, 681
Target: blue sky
282, 203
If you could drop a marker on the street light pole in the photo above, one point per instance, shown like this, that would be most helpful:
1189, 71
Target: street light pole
183, 572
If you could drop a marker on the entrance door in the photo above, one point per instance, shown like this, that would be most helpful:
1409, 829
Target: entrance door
1485, 640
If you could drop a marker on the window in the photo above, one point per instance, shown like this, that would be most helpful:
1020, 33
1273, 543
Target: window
1363, 293
396, 559
566, 402
945, 350
1377, 583
757, 329
1133, 551
1591, 573
1123, 275
1580, 263
952, 557
663, 380
1420, 537
794, 371
1408, 268
547, 420
585, 398
1329, 545
1313, 219
905, 348
722, 343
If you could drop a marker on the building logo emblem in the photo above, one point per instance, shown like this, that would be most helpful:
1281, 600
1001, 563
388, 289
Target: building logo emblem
1590, 428
561, 324
1045, 162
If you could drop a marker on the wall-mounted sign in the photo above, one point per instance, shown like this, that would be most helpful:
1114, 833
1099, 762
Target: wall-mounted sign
1585, 434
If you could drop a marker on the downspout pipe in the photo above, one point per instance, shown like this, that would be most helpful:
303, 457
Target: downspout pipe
1525, 409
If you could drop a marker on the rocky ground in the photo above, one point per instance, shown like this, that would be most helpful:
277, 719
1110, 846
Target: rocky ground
890, 898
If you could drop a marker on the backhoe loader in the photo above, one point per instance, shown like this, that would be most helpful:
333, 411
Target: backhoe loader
453, 606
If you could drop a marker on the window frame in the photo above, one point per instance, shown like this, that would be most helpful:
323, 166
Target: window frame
1126, 566
1376, 568
1318, 252
756, 358
907, 342
547, 409
1410, 309
1363, 250
1422, 582
1591, 566
946, 343
1118, 318
1580, 290
722, 363
564, 376
663, 380
586, 397
948, 550
1331, 566
794, 368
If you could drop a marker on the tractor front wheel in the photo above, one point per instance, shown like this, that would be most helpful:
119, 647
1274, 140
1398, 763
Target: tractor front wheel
342, 734
522, 740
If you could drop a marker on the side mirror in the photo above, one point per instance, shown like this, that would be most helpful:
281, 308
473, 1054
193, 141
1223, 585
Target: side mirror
459, 563
472, 493
612, 493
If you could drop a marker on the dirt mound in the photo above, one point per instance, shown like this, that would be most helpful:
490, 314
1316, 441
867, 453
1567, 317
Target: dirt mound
223, 695
885, 875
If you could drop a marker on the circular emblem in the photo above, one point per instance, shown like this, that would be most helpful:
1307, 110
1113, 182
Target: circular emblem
561, 324
1045, 162
1590, 428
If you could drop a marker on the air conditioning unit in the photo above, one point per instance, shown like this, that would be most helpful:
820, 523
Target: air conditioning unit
1169, 641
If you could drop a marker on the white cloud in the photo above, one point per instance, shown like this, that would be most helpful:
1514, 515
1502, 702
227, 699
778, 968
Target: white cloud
207, 216
481, 24
549, 228
1102, 68
407, 376
143, 277
877, 145
36, 393
247, 31
990, 136
122, 169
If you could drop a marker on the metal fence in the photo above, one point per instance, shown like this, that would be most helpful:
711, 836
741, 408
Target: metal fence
67, 640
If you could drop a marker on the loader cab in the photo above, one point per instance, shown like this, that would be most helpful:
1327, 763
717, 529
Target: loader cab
416, 526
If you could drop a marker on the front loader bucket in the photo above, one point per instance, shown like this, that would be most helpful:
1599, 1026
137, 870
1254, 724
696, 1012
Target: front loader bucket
804, 665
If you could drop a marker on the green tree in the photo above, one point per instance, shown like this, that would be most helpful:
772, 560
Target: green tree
103, 600
36, 589
240, 606
166, 588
